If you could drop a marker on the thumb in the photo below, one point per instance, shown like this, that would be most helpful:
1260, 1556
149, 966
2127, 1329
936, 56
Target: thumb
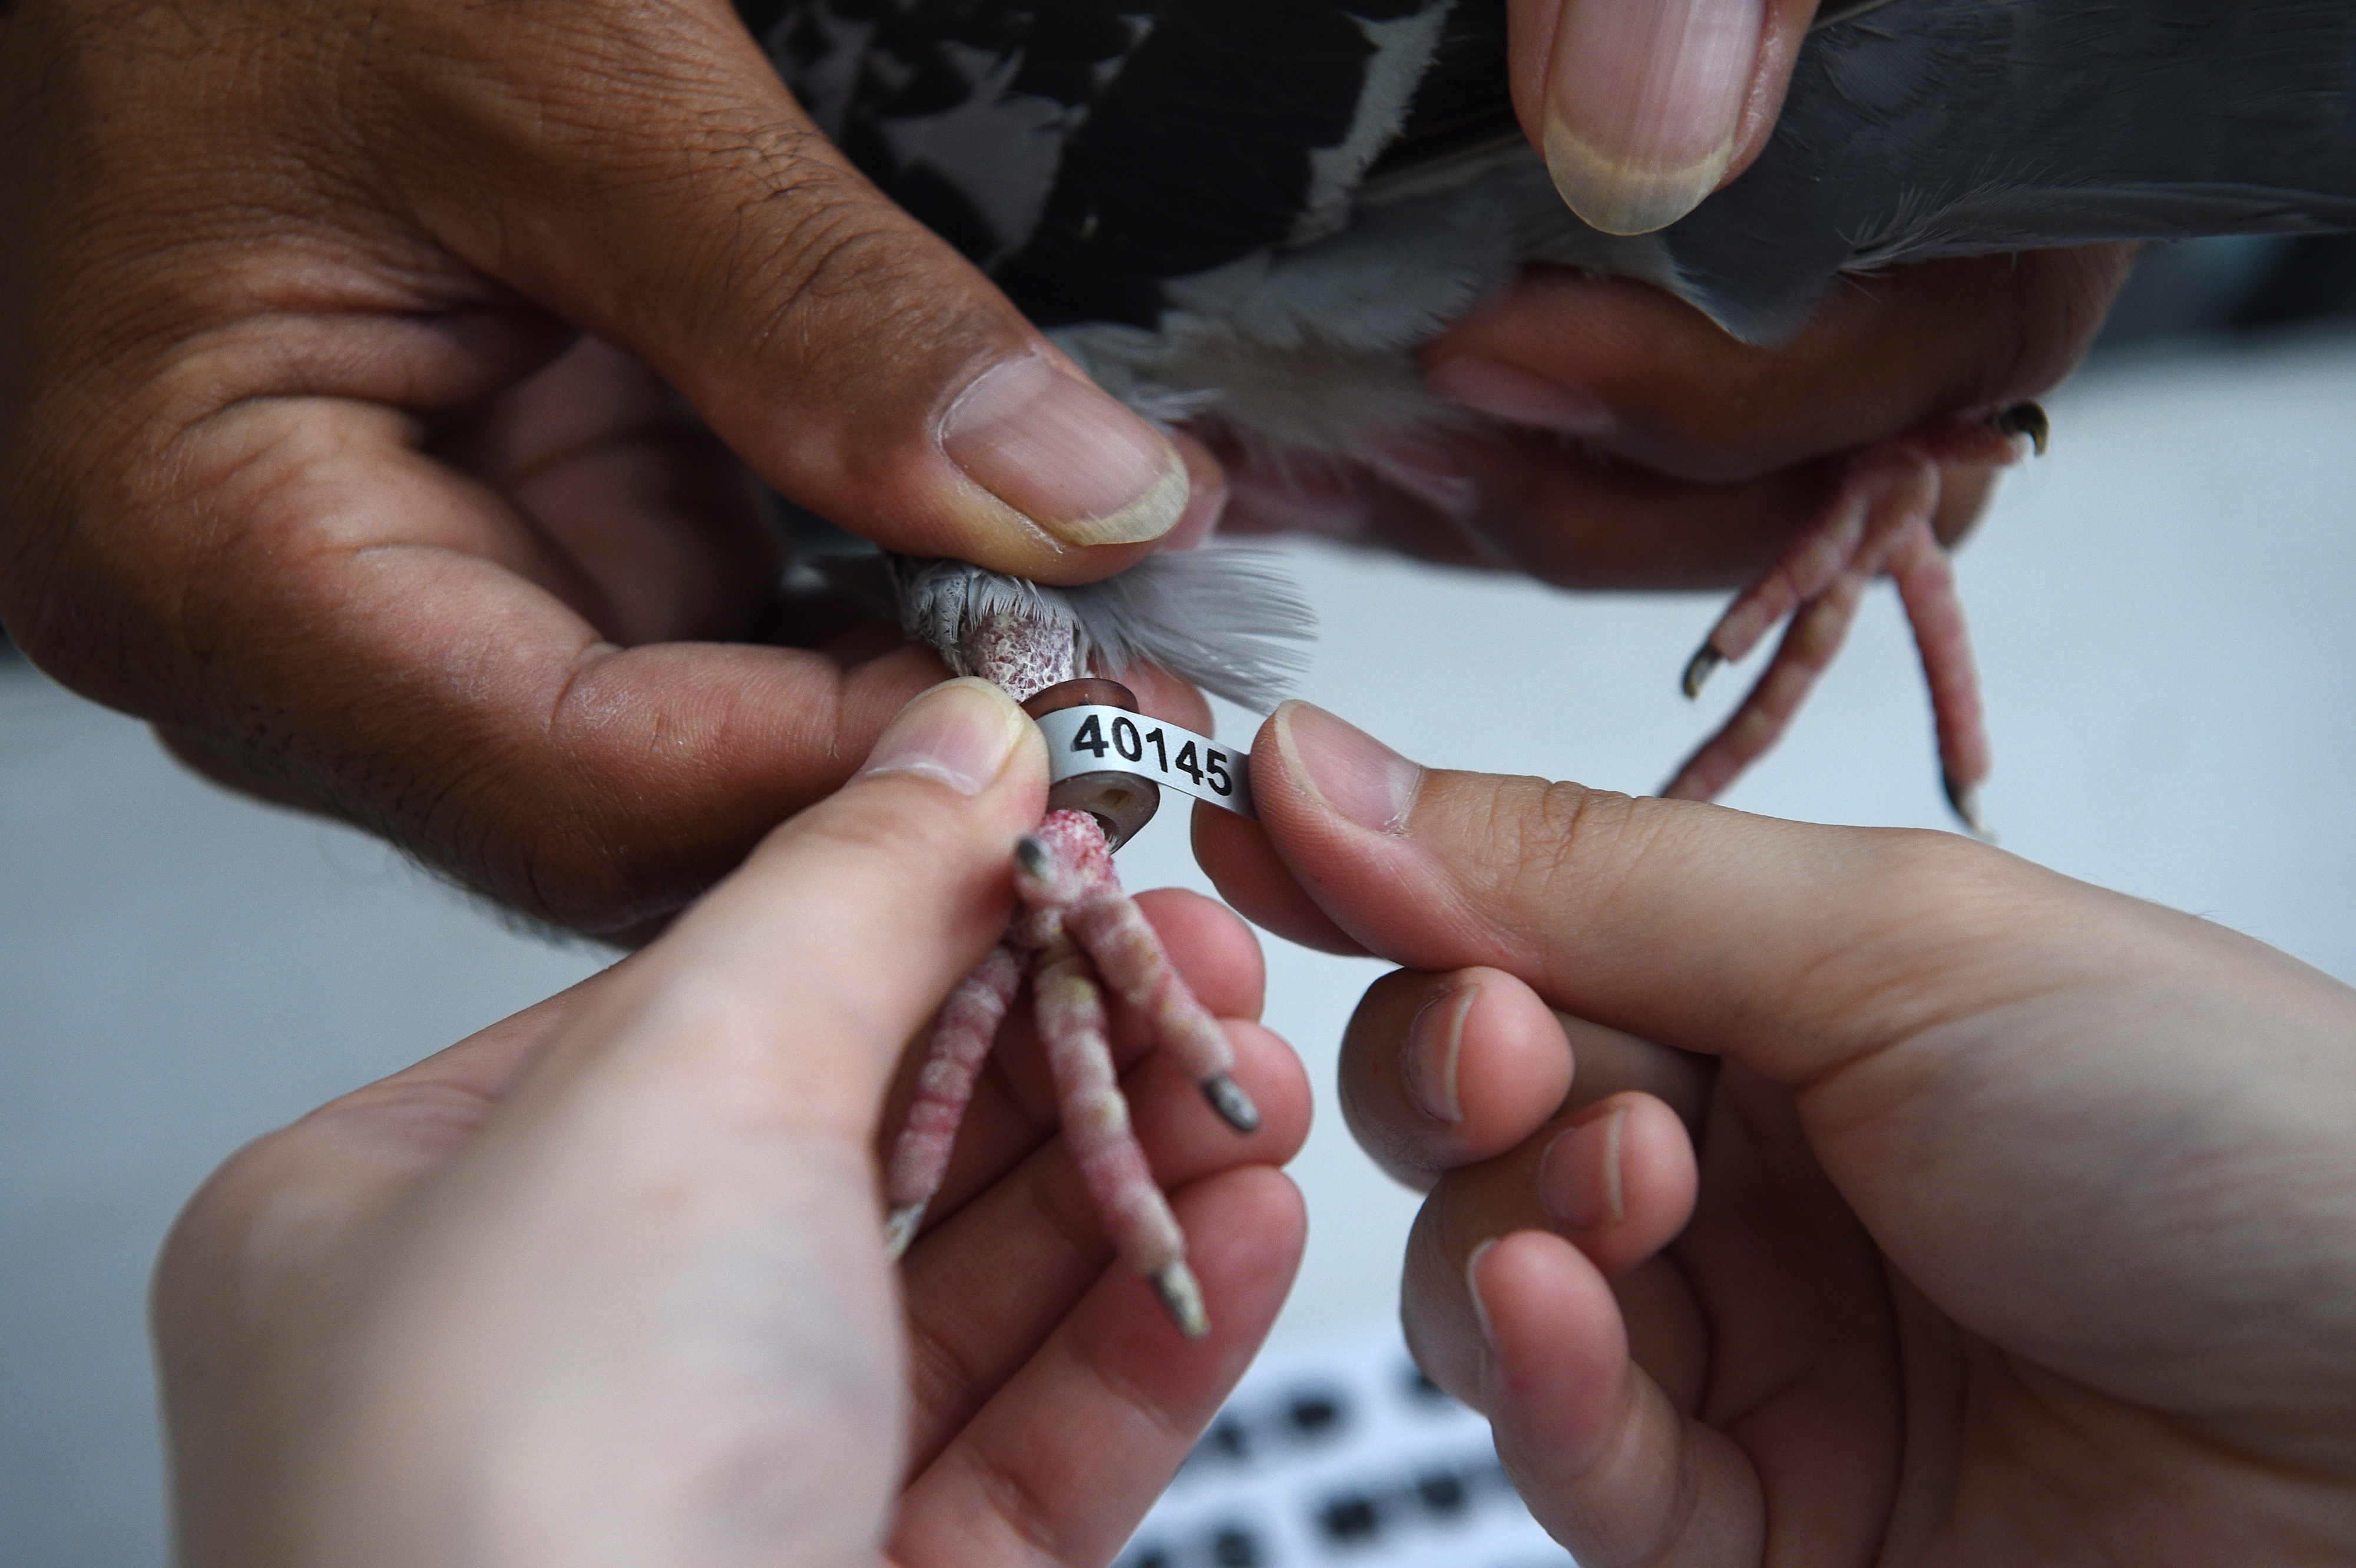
804, 975
1792, 947
643, 172
1643, 107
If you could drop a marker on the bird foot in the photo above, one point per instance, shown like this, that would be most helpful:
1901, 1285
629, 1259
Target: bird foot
1077, 935
1878, 523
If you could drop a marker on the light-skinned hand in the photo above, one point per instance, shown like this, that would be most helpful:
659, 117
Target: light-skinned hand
1826, 1195
365, 373
605, 1282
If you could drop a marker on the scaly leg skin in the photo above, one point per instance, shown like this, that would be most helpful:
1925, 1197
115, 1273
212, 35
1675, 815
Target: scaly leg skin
1097, 1129
1072, 872
960, 1043
1878, 523
1076, 924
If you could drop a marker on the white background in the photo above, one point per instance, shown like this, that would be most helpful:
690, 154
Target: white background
2161, 611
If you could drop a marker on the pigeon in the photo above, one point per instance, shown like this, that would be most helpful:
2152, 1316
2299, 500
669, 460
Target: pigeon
1249, 216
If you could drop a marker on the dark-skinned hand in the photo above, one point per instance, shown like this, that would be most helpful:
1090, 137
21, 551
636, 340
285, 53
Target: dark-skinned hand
368, 377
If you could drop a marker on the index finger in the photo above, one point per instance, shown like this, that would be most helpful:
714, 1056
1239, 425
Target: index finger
1792, 947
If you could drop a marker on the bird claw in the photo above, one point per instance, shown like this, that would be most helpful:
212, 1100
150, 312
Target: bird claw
1228, 1098
1878, 523
900, 1227
1181, 1297
1964, 799
2026, 419
1700, 669
1078, 932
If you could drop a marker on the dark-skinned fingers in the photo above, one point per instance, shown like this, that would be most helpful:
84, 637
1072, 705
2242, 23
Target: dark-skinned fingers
1616, 1180
1642, 110
484, 728
644, 173
1014, 1108
1668, 920
1206, 499
1574, 517
1636, 372
987, 1285
1067, 1456
1600, 1453
1439, 1071
614, 467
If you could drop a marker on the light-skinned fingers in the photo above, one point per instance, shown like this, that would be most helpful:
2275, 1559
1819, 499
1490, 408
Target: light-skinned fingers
647, 174
1602, 1457
1616, 1180
1066, 1458
988, 1284
1644, 109
1612, 1061
1235, 853
1443, 1070
351, 1151
798, 982
1664, 919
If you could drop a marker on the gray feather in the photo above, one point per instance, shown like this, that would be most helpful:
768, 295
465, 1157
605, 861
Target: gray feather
1230, 621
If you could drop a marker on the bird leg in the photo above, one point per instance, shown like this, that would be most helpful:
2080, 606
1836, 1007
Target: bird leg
1878, 523
960, 1043
1078, 934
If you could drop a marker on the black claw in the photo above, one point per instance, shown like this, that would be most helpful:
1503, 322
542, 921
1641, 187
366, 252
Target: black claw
2026, 419
1033, 856
1699, 668
1964, 799
1234, 1106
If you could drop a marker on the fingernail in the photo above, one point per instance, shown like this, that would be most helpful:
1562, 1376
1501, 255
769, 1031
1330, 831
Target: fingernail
1060, 452
1428, 1063
1579, 1175
961, 731
1473, 1288
1346, 768
1515, 396
1642, 99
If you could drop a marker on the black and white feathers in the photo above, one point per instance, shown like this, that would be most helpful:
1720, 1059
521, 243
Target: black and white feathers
1258, 211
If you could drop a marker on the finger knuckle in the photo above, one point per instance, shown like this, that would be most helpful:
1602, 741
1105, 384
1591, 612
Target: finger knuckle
2058, 302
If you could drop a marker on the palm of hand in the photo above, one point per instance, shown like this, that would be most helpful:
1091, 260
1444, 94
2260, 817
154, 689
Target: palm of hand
604, 1283
1870, 1328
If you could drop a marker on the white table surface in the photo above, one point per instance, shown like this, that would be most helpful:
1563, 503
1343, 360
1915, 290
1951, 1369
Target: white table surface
2161, 612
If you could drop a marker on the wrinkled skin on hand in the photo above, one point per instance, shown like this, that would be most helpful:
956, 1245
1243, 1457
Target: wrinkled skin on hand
1633, 443
1825, 1195
365, 374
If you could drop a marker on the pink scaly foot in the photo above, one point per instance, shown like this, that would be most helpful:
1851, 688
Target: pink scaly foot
960, 1043
1076, 925
1878, 523
1066, 867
